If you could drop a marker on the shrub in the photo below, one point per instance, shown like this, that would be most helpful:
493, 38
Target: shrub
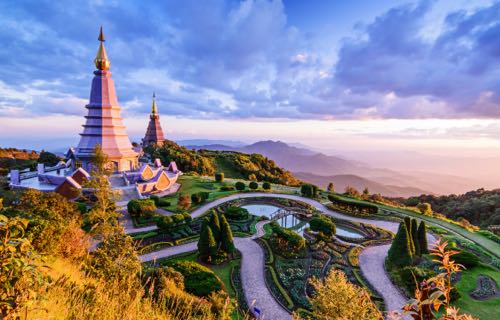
466, 259
236, 213
253, 185
227, 188
266, 186
200, 197
309, 190
82, 207
288, 239
141, 207
400, 252
198, 280
240, 186
425, 208
155, 199
219, 177
322, 224
184, 201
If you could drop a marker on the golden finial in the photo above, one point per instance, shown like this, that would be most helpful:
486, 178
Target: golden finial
101, 60
154, 108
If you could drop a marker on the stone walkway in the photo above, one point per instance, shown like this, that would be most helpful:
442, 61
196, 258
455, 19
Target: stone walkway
252, 272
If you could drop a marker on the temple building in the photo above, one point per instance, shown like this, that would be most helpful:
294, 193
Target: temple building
154, 133
104, 124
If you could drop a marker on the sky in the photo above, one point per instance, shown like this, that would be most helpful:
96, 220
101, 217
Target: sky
339, 76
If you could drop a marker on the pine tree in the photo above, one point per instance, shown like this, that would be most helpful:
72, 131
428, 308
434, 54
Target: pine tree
227, 243
414, 237
422, 238
408, 229
215, 225
400, 254
203, 248
212, 245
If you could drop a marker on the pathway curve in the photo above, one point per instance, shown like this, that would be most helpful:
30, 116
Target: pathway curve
253, 276
252, 272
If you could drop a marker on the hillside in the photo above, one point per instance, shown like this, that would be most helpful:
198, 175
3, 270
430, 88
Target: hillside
232, 164
480, 207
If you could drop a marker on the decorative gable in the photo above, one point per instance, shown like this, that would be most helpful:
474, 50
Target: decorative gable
147, 173
163, 182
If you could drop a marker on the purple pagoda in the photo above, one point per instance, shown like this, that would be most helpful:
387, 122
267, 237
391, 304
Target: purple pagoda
104, 124
154, 133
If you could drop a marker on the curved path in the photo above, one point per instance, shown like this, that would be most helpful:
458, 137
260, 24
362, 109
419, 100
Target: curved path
371, 260
252, 272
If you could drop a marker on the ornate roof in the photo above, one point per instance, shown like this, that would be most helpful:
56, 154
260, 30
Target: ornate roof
154, 132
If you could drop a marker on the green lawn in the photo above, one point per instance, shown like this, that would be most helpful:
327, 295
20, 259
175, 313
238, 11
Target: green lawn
484, 310
490, 246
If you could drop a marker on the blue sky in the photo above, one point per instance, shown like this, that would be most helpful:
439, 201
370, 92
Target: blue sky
249, 64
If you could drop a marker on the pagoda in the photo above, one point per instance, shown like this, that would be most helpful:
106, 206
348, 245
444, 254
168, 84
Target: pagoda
104, 124
154, 133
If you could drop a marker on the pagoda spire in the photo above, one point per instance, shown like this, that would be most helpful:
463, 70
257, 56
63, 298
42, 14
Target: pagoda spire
154, 108
101, 60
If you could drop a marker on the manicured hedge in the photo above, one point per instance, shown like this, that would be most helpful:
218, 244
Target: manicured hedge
276, 284
294, 240
160, 202
466, 259
198, 280
236, 213
170, 222
240, 186
227, 188
322, 224
200, 197
219, 177
266, 186
362, 206
253, 185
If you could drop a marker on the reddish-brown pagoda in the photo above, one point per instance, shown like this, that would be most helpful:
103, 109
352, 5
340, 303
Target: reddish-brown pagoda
154, 133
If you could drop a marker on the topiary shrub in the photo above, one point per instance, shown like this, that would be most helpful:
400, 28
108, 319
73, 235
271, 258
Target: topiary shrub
240, 186
309, 190
266, 186
198, 280
227, 188
236, 213
219, 177
323, 225
141, 207
253, 185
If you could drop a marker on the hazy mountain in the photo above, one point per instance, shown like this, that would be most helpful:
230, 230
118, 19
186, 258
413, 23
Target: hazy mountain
320, 168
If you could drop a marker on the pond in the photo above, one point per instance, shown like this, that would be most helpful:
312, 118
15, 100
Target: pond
291, 222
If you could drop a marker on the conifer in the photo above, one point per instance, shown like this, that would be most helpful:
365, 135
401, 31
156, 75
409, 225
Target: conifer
408, 229
212, 245
215, 226
400, 254
414, 237
422, 238
203, 248
227, 243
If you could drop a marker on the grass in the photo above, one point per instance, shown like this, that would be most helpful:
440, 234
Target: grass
489, 245
488, 309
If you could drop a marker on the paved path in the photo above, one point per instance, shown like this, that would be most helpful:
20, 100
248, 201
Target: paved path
252, 271
253, 276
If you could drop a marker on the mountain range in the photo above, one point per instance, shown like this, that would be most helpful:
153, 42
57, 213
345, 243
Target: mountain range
321, 169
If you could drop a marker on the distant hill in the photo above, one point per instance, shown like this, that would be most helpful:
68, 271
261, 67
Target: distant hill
233, 164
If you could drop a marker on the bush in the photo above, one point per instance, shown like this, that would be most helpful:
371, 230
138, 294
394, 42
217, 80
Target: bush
219, 177
227, 188
289, 240
266, 186
236, 213
240, 186
170, 222
141, 207
466, 259
200, 197
309, 190
253, 185
198, 280
322, 224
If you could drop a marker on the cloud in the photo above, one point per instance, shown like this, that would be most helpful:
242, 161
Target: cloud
243, 59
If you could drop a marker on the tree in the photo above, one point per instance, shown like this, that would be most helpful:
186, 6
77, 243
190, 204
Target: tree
115, 259
366, 193
422, 238
309, 190
103, 217
19, 269
253, 185
48, 158
219, 177
252, 177
352, 192
400, 254
99, 161
215, 225
184, 201
227, 242
141, 207
425, 208
240, 186
336, 298
410, 238
212, 245
414, 237
266, 186
331, 187
203, 242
